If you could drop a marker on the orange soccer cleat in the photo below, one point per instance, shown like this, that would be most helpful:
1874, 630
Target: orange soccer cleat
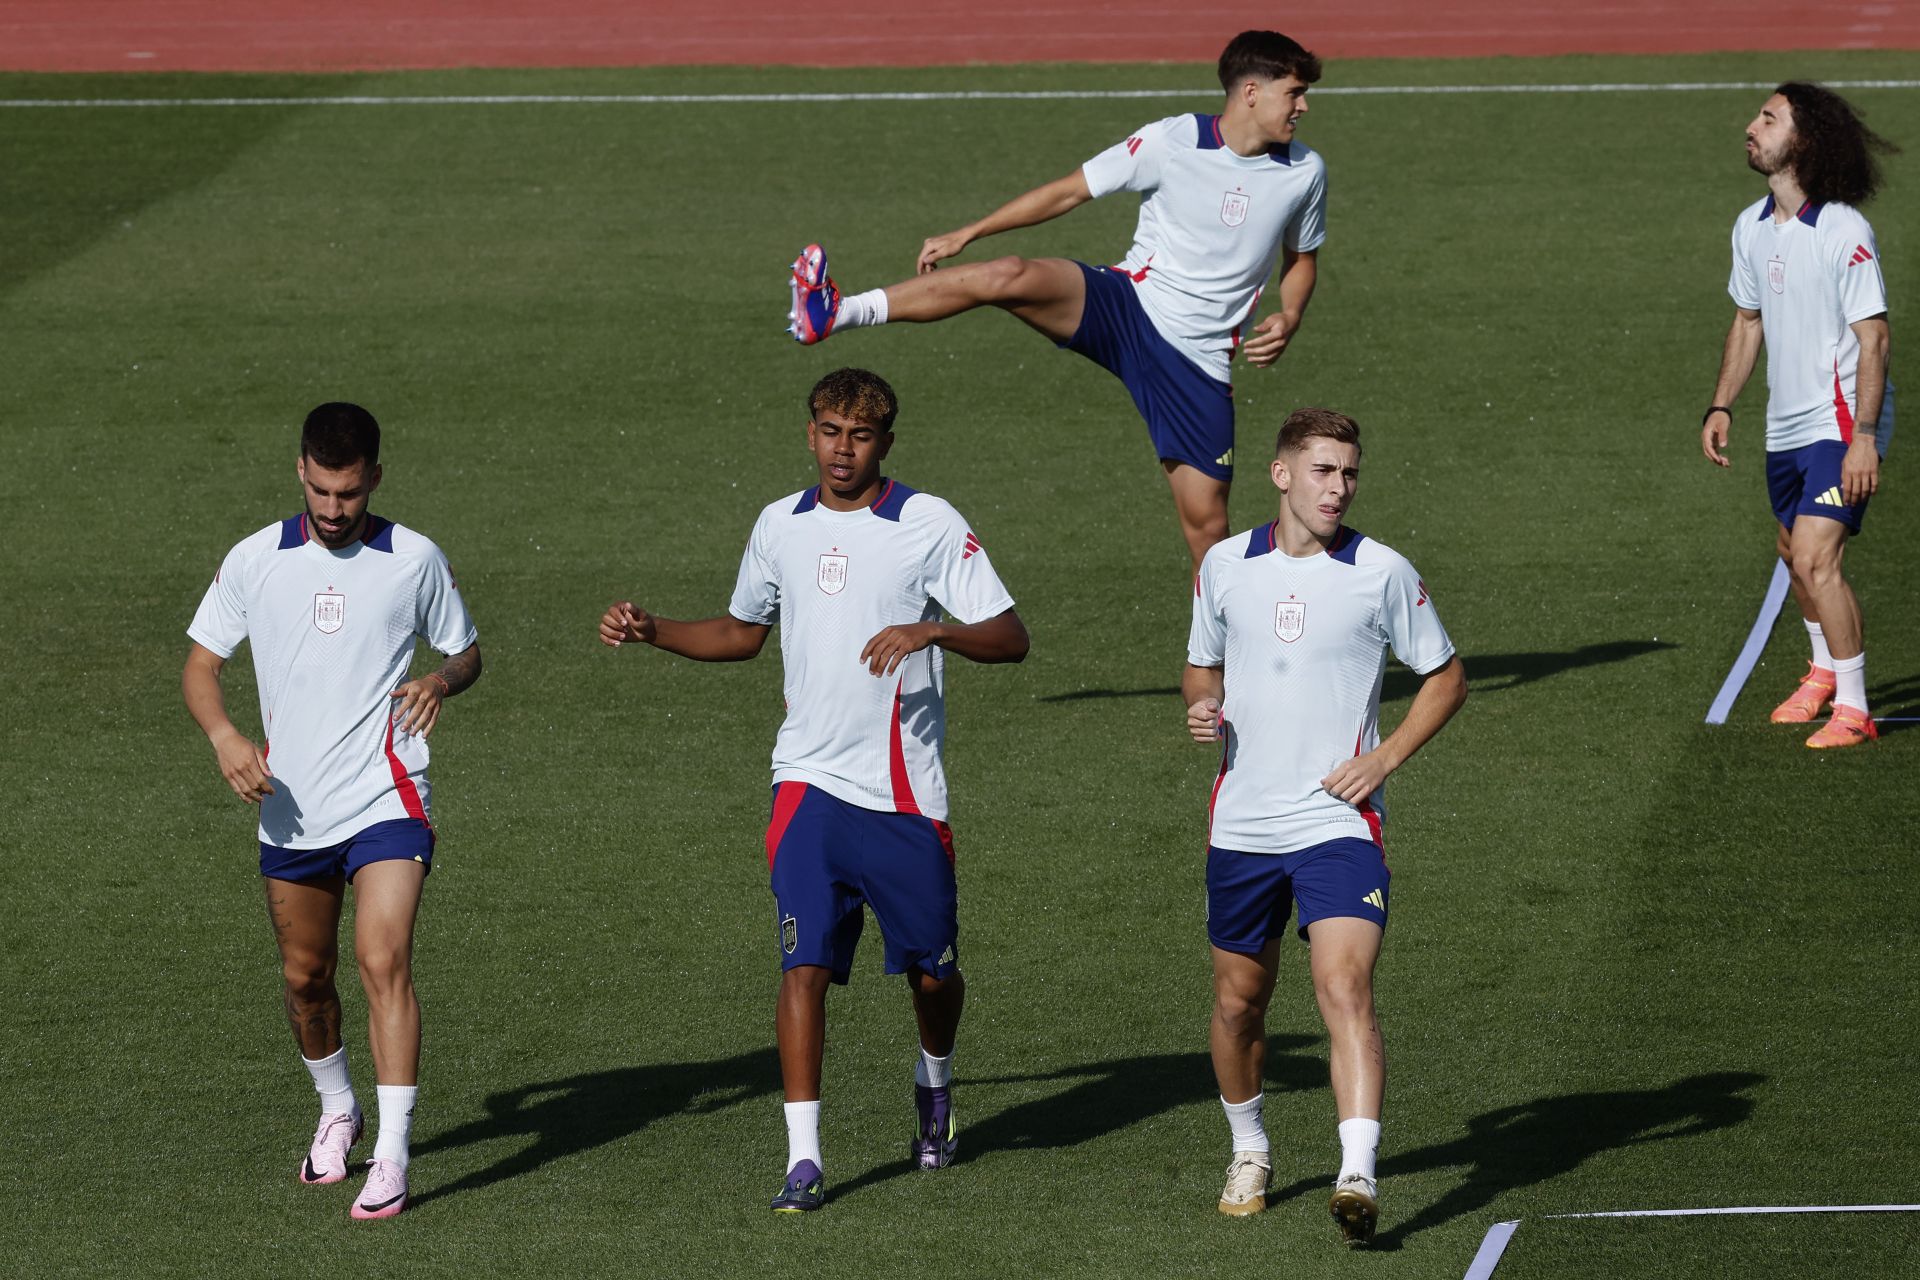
1849, 726
1815, 691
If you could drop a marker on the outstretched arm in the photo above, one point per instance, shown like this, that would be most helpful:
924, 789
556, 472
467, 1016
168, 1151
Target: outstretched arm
1860, 472
1298, 274
242, 764
722, 639
1001, 638
1736, 366
1042, 204
1441, 693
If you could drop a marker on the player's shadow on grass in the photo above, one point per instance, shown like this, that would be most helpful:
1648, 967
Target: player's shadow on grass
1487, 672
564, 1117
1100, 1098
1522, 1145
1898, 701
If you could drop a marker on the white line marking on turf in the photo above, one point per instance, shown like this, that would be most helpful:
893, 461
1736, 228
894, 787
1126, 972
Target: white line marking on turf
1756, 644
1494, 1243
1491, 1248
955, 95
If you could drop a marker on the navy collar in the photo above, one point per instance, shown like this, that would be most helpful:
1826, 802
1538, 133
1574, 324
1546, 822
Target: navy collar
1210, 140
1809, 212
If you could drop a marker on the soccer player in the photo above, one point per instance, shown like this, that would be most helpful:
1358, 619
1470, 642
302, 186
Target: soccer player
1291, 624
857, 570
1806, 282
1221, 197
331, 600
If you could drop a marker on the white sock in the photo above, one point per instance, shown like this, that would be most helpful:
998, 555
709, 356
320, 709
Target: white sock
861, 309
803, 1133
1359, 1145
1249, 1132
330, 1080
935, 1073
1821, 658
396, 1121
1850, 681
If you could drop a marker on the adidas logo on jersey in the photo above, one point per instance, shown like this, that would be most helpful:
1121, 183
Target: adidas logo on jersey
1224, 460
1831, 498
973, 545
1860, 254
1376, 900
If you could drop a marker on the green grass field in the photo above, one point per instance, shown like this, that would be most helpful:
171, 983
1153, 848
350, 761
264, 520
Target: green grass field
1636, 962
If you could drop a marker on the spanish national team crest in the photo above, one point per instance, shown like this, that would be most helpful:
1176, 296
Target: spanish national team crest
1290, 620
1777, 275
833, 574
789, 934
329, 611
1233, 210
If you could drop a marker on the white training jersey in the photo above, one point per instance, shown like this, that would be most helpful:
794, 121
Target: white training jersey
833, 580
1811, 278
1304, 644
332, 635
1212, 223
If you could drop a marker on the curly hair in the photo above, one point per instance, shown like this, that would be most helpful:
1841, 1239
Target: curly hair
856, 393
1833, 152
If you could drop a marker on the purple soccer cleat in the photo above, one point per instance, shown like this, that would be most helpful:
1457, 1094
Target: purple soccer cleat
938, 1137
327, 1158
804, 1190
816, 299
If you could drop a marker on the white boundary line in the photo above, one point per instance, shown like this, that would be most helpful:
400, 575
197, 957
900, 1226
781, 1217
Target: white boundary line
1756, 644
955, 95
1494, 1244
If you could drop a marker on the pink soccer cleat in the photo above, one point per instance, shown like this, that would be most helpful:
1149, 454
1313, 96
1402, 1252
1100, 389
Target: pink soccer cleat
1848, 727
327, 1158
385, 1194
1816, 689
816, 299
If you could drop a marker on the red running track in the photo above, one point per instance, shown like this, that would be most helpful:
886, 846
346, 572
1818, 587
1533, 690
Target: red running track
342, 35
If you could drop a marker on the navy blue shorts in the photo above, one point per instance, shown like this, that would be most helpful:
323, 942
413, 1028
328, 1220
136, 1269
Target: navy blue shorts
829, 858
397, 840
1189, 413
1806, 482
1250, 895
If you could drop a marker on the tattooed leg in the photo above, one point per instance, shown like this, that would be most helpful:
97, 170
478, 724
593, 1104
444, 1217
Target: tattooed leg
306, 924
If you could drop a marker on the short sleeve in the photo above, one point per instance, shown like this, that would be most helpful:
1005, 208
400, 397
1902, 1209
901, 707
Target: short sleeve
1307, 230
220, 623
1207, 637
1408, 617
959, 574
756, 592
1132, 164
443, 620
1742, 287
1863, 289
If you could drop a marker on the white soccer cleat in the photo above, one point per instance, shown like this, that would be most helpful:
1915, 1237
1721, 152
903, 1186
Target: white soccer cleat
1246, 1189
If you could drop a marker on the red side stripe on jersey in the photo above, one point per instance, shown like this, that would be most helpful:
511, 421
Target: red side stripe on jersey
1365, 806
786, 802
945, 833
1226, 734
903, 800
409, 794
1841, 413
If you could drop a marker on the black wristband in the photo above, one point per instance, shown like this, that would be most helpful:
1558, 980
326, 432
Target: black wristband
1713, 409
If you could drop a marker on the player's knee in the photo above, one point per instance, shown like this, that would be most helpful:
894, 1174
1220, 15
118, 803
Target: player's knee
1815, 566
385, 971
1345, 995
1241, 1014
308, 979
1006, 279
